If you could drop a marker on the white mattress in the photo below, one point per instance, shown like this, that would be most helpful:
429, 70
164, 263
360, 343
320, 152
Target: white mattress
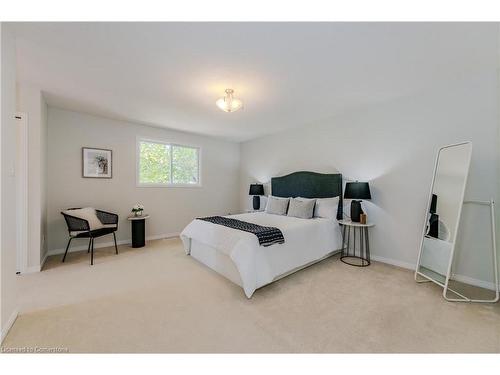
306, 240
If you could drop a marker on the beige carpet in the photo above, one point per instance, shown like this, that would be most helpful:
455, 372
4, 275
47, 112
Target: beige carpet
157, 299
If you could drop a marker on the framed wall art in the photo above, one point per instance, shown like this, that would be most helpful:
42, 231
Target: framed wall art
97, 163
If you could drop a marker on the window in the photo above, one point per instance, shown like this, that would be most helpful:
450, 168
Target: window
167, 164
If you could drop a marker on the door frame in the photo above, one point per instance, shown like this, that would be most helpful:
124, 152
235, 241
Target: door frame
22, 193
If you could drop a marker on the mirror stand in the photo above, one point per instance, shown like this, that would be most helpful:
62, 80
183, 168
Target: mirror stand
441, 226
463, 298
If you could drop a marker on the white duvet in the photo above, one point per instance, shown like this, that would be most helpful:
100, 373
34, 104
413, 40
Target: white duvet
306, 240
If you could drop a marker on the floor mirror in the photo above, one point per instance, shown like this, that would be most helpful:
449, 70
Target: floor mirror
442, 219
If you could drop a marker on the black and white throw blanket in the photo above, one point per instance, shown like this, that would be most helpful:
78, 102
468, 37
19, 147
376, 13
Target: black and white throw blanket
267, 236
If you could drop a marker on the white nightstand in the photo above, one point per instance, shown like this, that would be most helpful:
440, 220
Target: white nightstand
363, 259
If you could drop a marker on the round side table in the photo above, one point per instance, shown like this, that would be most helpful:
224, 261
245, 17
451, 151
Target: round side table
138, 230
349, 256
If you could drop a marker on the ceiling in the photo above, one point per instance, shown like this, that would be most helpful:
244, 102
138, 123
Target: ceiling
287, 74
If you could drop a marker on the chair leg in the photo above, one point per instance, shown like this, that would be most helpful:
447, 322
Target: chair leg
67, 248
116, 247
92, 252
88, 250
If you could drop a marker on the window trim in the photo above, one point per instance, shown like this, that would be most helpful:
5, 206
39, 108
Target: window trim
163, 185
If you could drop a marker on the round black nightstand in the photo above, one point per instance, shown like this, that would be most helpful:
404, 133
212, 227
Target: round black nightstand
348, 256
138, 230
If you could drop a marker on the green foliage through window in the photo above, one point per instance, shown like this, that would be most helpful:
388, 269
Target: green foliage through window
184, 165
161, 163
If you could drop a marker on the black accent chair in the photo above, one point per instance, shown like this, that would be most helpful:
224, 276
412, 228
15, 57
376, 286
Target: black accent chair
80, 228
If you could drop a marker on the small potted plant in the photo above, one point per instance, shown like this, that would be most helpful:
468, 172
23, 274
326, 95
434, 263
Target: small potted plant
137, 209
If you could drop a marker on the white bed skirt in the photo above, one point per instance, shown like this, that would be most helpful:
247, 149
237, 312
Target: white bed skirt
216, 260
223, 265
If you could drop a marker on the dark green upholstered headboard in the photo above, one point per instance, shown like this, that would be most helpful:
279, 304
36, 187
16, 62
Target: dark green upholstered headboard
309, 185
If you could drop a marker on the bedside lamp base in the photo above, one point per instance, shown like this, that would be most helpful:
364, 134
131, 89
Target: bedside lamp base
256, 202
356, 211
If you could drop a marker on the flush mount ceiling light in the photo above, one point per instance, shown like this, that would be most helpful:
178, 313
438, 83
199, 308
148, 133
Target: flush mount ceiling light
229, 103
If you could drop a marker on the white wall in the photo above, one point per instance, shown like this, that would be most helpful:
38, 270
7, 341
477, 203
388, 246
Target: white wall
8, 310
393, 145
30, 101
170, 208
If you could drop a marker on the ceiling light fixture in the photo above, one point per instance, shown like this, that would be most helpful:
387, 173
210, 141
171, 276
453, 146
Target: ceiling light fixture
228, 103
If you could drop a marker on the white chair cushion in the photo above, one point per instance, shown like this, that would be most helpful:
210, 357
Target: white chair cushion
87, 213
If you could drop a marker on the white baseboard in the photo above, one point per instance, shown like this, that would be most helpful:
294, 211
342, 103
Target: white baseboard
44, 259
109, 244
475, 282
461, 278
393, 262
32, 269
8, 325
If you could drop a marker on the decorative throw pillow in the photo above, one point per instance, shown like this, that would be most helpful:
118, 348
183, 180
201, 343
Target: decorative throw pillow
326, 207
276, 205
301, 207
87, 213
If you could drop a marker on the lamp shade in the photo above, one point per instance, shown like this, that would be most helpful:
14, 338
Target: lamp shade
357, 190
256, 189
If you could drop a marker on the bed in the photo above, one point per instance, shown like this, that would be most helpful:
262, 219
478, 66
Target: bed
236, 254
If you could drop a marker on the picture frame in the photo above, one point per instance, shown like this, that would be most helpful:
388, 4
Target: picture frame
97, 163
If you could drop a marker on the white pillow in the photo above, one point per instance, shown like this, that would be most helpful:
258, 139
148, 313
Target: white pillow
326, 207
301, 207
87, 213
277, 205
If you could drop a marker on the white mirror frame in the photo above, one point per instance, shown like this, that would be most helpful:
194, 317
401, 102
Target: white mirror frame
489, 203
427, 278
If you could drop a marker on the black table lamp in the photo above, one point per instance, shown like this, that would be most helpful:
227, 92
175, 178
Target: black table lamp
256, 190
357, 190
